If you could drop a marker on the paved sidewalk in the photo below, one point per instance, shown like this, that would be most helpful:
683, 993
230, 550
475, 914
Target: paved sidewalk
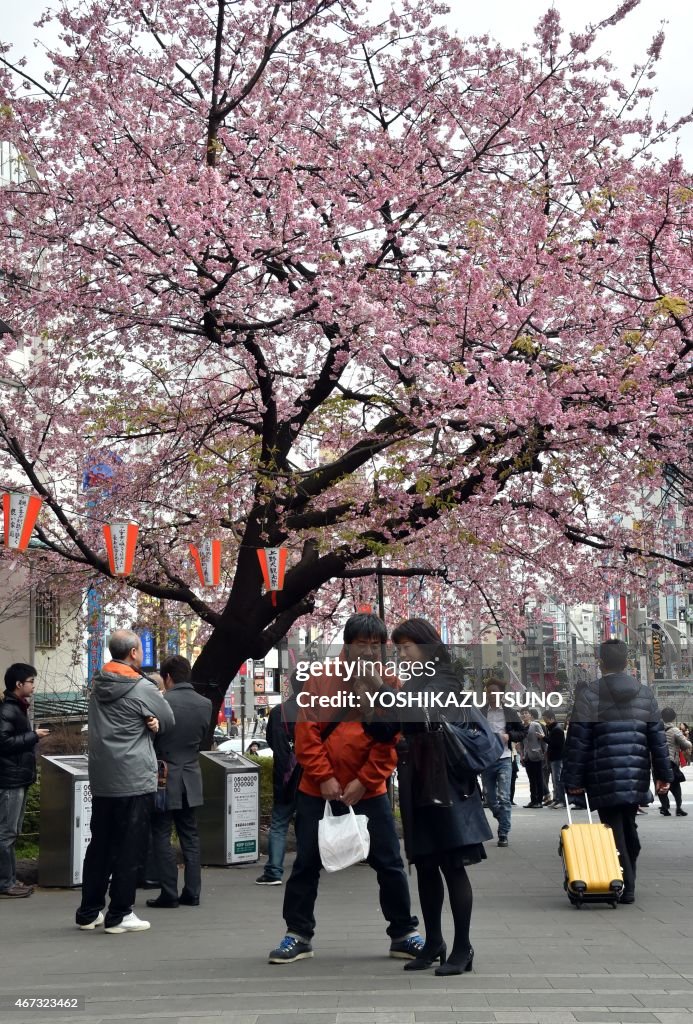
538, 960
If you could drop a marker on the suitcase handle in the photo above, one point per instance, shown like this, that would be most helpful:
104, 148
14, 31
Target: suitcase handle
587, 802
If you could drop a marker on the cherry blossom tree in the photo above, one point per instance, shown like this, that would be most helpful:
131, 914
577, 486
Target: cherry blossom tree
304, 274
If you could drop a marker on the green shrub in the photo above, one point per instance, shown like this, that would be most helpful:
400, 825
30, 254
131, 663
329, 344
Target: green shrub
266, 765
28, 842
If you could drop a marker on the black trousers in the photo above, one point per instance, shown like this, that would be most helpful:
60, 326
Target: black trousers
674, 790
535, 774
622, 820
545, 779
119, 828
186, 826
148, 873
384, 857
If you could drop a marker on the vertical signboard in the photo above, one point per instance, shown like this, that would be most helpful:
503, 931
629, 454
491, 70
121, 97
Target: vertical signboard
149, 659
96, 630
657, 650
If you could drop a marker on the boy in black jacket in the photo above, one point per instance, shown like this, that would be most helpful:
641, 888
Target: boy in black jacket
17, 771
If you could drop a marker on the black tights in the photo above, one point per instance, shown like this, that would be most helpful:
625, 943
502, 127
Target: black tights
430, 872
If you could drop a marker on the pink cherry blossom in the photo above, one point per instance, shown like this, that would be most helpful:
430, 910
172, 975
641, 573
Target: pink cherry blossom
362, 289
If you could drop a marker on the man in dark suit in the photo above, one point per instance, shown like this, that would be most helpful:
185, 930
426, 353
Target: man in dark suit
179, 748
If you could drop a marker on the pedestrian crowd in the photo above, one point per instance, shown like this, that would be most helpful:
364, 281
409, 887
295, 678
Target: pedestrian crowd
144, 741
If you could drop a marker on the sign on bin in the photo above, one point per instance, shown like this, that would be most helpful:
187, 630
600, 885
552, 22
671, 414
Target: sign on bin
82, 830
243, 794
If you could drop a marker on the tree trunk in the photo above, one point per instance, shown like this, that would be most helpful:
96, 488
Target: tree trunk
219, 661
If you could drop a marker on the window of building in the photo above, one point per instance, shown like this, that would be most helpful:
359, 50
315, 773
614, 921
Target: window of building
46, 618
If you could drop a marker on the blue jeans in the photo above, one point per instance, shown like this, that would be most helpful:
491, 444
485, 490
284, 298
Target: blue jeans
12, 804
497, 785
282, 815
385, 858
558, 788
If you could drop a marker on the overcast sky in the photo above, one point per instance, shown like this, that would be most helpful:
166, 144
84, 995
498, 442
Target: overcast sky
512, 22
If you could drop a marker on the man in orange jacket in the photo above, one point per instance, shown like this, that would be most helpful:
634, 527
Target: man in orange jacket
341, 763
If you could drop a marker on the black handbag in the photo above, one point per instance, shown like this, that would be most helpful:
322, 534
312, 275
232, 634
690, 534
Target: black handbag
678, 774
471, 745
293, 773
161, 796
428, 759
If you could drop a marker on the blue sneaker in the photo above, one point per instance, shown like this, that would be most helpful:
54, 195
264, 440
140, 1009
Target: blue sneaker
407, 948
289, 949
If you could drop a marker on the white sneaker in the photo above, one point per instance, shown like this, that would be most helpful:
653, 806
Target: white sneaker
96, 923
131, 923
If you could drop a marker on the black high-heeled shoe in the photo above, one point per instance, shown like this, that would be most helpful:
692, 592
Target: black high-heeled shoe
456, 966
426, 958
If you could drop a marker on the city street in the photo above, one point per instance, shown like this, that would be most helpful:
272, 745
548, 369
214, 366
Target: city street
344, 361
538, 960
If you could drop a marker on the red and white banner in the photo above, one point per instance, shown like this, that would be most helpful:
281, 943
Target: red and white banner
121, 541
273, 565
21, 512
207, 559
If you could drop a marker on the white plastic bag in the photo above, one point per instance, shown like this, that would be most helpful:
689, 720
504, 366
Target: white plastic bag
343, 839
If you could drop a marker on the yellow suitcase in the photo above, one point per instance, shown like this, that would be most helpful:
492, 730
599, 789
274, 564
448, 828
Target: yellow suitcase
593, 872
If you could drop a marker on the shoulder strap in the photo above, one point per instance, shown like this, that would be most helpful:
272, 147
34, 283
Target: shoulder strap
331, 726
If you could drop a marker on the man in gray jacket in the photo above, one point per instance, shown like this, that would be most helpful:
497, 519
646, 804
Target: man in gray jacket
180, 749
126, 711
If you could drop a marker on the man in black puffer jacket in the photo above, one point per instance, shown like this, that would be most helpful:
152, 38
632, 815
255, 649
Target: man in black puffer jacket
616, 738
17, 771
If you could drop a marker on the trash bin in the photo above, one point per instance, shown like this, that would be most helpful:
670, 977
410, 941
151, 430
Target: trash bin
229, 821
65, 819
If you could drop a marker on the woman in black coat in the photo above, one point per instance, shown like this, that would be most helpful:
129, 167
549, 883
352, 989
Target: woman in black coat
440, 840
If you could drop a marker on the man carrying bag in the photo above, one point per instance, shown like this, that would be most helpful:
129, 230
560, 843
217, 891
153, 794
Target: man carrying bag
350, 769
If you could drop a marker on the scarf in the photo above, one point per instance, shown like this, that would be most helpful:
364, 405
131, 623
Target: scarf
22, 701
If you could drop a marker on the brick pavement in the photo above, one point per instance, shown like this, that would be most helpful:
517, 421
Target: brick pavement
538, 960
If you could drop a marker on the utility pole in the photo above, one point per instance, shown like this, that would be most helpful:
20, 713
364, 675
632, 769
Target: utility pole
381, 591
381, 587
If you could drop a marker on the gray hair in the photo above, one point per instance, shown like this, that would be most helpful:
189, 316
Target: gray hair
122, 642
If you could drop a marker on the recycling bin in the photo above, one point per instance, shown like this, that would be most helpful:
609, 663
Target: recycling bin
65, 819
229, 821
